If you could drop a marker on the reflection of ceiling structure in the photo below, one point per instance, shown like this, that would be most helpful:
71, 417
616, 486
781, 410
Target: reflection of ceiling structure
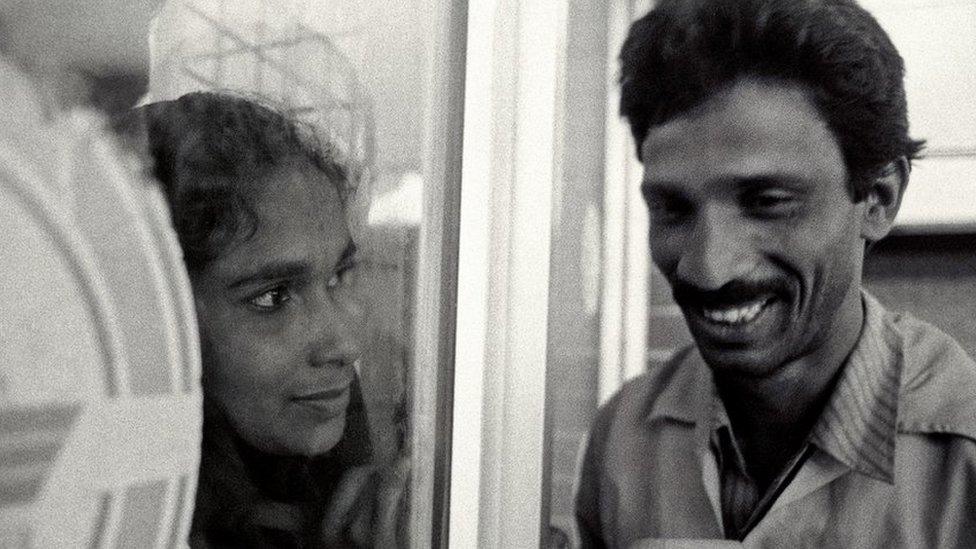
261, 48
385, 41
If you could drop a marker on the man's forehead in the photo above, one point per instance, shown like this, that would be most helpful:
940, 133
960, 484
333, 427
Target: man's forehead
755, 105
751, 129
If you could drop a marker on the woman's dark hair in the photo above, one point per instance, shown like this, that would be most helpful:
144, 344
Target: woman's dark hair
212, 153
685, 51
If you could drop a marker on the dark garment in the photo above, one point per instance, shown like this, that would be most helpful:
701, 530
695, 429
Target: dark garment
247, 498
744, 503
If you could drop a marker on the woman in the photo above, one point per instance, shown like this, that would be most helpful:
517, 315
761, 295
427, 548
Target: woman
258, 207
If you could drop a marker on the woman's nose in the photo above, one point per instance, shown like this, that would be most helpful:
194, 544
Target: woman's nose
337, 335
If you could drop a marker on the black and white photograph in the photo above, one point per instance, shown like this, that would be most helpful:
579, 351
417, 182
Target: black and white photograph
560, 274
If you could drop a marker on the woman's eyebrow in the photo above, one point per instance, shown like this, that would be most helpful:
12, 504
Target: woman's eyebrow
287, 269
349, 252
272, 271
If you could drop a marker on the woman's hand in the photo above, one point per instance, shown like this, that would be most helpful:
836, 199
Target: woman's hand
369, 509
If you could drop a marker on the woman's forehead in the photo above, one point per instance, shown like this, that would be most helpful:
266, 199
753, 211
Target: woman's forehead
299, 219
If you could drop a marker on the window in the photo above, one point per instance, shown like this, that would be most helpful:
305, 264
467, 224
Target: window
383, 82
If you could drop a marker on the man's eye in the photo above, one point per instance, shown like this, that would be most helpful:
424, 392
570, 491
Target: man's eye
270, 300
772, 204
666, 210
344, 275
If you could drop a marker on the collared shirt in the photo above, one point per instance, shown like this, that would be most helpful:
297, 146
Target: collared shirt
857, 426
891, 462
743, 504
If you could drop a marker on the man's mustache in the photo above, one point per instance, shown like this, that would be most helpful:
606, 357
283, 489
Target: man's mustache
733, 293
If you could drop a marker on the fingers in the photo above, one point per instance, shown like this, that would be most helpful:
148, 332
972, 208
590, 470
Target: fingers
391, 504
359, 532
275, 515
344, 503
369, 507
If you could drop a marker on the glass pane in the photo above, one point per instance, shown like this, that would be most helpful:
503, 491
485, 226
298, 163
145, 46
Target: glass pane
380, 82
575, 275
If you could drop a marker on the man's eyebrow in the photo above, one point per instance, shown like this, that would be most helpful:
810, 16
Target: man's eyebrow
771, 179
663, 187
272, 271
658, 188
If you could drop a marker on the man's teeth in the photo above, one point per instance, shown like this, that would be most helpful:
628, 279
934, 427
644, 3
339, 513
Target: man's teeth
738, 315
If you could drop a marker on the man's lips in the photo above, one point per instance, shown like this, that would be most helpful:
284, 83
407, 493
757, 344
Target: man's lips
736, 304
745, 323
738, 314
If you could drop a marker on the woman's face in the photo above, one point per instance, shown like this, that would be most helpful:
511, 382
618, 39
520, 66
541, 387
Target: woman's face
279, 323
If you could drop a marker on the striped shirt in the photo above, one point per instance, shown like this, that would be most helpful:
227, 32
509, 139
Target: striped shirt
857, 427
891, 462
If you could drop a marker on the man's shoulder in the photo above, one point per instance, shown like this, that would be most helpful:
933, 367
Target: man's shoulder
662, 389
938, 381
625, 420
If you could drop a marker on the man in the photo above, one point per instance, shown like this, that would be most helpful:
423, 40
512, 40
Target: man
775, 143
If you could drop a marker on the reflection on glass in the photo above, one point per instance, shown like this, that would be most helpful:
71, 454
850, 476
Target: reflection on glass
372, 80
259, 212
361, 75
264, 49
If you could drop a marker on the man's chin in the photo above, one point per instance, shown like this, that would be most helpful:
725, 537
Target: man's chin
746, 361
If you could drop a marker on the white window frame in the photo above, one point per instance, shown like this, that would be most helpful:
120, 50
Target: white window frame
515, 61
626, 256
511, 168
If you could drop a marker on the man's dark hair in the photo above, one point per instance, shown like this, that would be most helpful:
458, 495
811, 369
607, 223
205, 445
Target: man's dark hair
685, 51
212, 154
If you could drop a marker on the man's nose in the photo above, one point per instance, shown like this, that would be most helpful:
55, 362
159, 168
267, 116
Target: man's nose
715, 253
337, 332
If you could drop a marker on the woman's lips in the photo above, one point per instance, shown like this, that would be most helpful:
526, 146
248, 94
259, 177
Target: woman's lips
331, 402
327, 394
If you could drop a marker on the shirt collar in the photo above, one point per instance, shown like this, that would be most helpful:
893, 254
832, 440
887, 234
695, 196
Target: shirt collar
688, 394
859, 422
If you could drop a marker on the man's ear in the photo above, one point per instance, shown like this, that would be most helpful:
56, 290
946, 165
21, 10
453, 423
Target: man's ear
883, 199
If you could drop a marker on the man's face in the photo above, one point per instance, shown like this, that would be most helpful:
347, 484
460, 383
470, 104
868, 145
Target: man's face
753, 225
278, 321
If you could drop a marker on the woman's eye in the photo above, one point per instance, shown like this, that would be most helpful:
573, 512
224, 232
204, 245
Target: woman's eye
270, 300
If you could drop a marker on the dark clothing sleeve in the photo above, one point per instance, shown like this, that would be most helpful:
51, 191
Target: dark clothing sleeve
588, 502
589, 520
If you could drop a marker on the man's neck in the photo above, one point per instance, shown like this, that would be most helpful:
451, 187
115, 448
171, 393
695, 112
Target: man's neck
772, 417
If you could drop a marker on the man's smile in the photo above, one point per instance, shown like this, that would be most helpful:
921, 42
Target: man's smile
737, 315
735, 325
741, 311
